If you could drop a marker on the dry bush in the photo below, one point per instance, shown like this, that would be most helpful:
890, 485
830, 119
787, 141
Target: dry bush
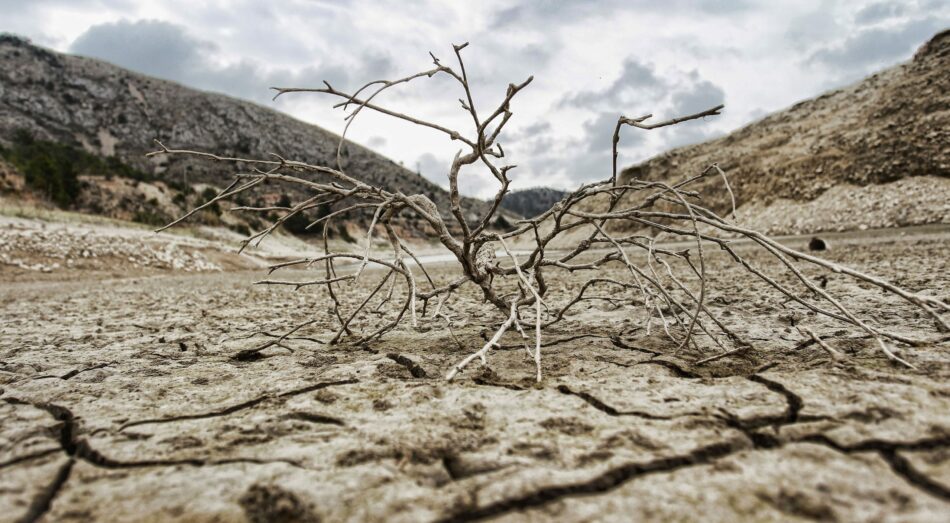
673, 299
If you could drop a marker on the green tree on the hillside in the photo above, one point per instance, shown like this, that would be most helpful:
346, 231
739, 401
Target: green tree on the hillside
46, 167
53, 168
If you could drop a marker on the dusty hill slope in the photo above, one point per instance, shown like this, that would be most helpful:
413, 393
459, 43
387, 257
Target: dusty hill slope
112, 111
891, 126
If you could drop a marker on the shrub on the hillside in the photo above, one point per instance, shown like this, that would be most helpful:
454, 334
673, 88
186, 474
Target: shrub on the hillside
297, 223
46, 167
240, 228
53, 168
207, 195
149, 217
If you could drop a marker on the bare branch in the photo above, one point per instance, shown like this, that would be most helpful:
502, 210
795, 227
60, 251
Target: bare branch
671, 288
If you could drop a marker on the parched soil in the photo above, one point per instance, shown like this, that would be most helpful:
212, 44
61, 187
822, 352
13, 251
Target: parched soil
122, 400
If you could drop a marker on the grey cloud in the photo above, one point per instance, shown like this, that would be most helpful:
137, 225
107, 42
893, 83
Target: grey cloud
35, 4
688, 133
375, 65
532, 147
546, 156
503, 64
586, 168
153, 47
535, 11
878, 12
168, 51
701, 95
875, 46
590, 158
376, 142
722, 7
494, 62
531, 13
434, 169
635, 81
538, 146
531, 132
817, 26
638, 83
535, 128
598, 132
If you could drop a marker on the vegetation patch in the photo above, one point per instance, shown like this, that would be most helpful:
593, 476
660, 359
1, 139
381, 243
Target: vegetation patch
53, 169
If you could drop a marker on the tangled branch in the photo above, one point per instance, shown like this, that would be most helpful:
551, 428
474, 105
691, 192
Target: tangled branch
674, 300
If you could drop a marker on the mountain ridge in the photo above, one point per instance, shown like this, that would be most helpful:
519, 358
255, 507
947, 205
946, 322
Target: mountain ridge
114, 112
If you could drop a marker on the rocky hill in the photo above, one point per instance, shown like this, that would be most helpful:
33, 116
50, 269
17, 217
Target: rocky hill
533, 201
893, 125
116, 114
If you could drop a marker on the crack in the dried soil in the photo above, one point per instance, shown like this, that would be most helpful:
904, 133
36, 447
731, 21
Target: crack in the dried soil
615, 477
44, 500
889, 452
204, 415
677, 370
411, 366
240, 406
793, 401
28, 457
611, 411
501, 384
546, 344
620, 344
73, 373
77, 448
600, 484
312, 417
790, 416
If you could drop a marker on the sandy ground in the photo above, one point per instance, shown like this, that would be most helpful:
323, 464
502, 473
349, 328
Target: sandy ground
55, 245
120, 400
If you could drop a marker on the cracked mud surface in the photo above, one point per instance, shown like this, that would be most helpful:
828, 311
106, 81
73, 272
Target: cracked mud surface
120, 400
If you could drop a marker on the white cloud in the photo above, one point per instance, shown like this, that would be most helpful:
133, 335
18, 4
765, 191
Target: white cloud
592, 61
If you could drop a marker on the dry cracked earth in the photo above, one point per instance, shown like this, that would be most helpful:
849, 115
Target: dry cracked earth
124, 400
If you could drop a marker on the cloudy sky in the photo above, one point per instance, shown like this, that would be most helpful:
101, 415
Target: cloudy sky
592, 61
